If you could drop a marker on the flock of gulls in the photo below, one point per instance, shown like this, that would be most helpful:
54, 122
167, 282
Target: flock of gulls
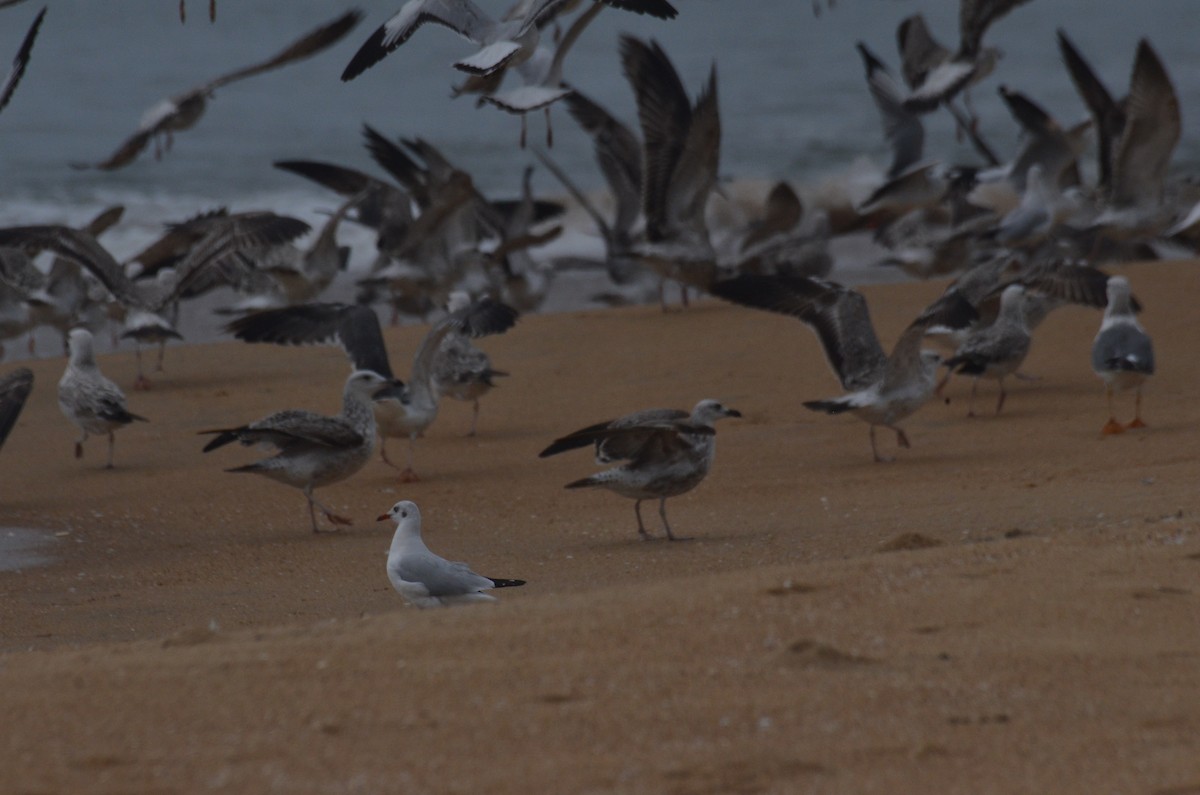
1022, 236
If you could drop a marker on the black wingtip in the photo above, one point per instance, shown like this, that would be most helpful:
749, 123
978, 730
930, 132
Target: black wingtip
504, 583
370, 53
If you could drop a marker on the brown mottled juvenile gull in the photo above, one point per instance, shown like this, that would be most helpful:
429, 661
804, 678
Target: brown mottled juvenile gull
994, 351
401, 409
881, 389
667, 452
313, 449
1122, 353
425, 579
87, 398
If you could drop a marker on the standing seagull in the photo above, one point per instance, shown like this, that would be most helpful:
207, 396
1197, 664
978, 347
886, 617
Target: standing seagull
314, 449
881, 389
87, 398
401, 410
182, 111
425, 579
668, 453
14, 389
461, 370
994, 351
1122, 353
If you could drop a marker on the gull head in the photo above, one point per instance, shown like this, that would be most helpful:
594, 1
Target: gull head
1117, 293
402, 513
708, 411
365, 383
79, 342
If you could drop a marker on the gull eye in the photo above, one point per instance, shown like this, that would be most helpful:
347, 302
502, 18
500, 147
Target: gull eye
403, 514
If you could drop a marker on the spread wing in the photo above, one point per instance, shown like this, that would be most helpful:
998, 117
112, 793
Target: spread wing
354, 326
14, 389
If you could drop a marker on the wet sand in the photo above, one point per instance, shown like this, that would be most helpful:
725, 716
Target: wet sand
1011, 606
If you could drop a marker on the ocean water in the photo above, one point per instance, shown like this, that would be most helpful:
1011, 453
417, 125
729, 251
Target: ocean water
793, 99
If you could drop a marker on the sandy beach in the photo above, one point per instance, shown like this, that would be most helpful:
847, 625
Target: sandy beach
1013, 605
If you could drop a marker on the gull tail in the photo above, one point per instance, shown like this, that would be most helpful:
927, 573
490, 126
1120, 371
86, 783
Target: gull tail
223, 438
828, 406
505, 583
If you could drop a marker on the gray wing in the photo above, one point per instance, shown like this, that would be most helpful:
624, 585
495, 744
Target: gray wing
618, 153
79, 247
286, 428
902, 128
1107, 113
837, 314
1123, 346
354, 326
14, 389
439, 576
919, 51
20, 61
1152, 130
1047, 145
376, 203
976, 16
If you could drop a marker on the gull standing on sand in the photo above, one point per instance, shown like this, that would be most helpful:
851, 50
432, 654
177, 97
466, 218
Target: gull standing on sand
182, 111
401, 410
87, 398
1122, 354
994, 351
313, 449
425, 579
462, 371
881, 389
669, 452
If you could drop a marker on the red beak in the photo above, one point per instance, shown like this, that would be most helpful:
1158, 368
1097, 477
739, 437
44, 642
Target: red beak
384, 517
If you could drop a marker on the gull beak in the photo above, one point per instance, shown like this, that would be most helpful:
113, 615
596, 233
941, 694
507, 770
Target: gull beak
732, 413
384, 517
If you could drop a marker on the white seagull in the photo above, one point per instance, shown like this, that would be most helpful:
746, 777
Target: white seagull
1122, 354
425, 579
668, 452
88, 399
313, 449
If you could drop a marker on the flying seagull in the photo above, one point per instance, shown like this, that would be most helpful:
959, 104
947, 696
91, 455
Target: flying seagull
182, 111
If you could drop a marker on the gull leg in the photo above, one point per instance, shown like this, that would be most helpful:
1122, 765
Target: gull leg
1112, 426
141, 383
941, 385
112, 442
162, 351
212, 10
1137, 412
409, 475
522, 130
330, 515
79, 445
662, 293
637, 511
549, 130
383, 452
901, 437
971, 400
183, 10
474, 417
875, 450
662, 511
683, 294
1000, 401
